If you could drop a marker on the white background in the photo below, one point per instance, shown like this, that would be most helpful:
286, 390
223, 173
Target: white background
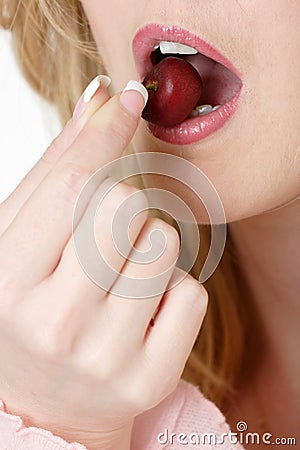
27, 122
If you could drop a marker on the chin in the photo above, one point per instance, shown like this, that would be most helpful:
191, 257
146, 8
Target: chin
205, 196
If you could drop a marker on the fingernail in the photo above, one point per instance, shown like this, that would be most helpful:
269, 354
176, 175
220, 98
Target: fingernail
90, 91
134, 97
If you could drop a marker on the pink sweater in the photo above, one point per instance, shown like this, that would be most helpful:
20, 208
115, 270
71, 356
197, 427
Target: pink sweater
184, 411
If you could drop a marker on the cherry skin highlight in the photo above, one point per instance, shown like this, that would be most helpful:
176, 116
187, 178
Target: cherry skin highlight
174, 87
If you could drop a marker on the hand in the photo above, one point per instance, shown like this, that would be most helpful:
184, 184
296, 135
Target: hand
77, 360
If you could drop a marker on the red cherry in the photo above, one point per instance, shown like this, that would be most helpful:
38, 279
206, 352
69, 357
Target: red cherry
174, 87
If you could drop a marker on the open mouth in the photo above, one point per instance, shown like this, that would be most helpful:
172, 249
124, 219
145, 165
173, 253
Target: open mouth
222, 82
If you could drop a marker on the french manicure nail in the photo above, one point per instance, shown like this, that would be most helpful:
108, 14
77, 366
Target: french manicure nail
134, 97
88, 94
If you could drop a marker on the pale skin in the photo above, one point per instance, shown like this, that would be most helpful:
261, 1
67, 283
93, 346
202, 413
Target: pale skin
254, 162
254, 173
269, 250
62, 336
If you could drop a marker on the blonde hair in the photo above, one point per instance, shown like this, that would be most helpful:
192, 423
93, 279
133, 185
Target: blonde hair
58, 56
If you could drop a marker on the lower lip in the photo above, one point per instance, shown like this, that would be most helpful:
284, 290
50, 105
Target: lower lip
198, 128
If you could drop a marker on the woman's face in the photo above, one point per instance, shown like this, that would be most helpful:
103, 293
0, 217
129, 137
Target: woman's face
253, 160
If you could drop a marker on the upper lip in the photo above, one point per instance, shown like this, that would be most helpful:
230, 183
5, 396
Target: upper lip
151, 34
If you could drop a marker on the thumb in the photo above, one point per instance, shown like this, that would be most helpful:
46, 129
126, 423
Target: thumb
94, 96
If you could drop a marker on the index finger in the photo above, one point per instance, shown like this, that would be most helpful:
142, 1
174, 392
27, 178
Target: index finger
97, 96
44, 224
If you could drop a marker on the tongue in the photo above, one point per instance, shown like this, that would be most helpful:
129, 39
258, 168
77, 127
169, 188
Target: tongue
202, 64
219, 84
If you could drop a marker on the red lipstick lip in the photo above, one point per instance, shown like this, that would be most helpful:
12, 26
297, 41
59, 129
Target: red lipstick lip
195, 129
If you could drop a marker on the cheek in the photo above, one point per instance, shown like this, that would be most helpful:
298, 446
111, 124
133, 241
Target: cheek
252, 173
106, 19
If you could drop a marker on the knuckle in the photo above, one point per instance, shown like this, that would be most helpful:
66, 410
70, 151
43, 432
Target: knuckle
53, 333
118, 131
103, 365
101, 356
171, 235
118, 134
72, 178
51, 154
123, 191
107, 371
50, 342
196, 294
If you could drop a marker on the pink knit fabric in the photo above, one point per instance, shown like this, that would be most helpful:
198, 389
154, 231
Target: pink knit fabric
184, 411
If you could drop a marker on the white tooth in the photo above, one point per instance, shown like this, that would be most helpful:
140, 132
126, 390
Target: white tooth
176, 47
204, 109
194, 113
156, 46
